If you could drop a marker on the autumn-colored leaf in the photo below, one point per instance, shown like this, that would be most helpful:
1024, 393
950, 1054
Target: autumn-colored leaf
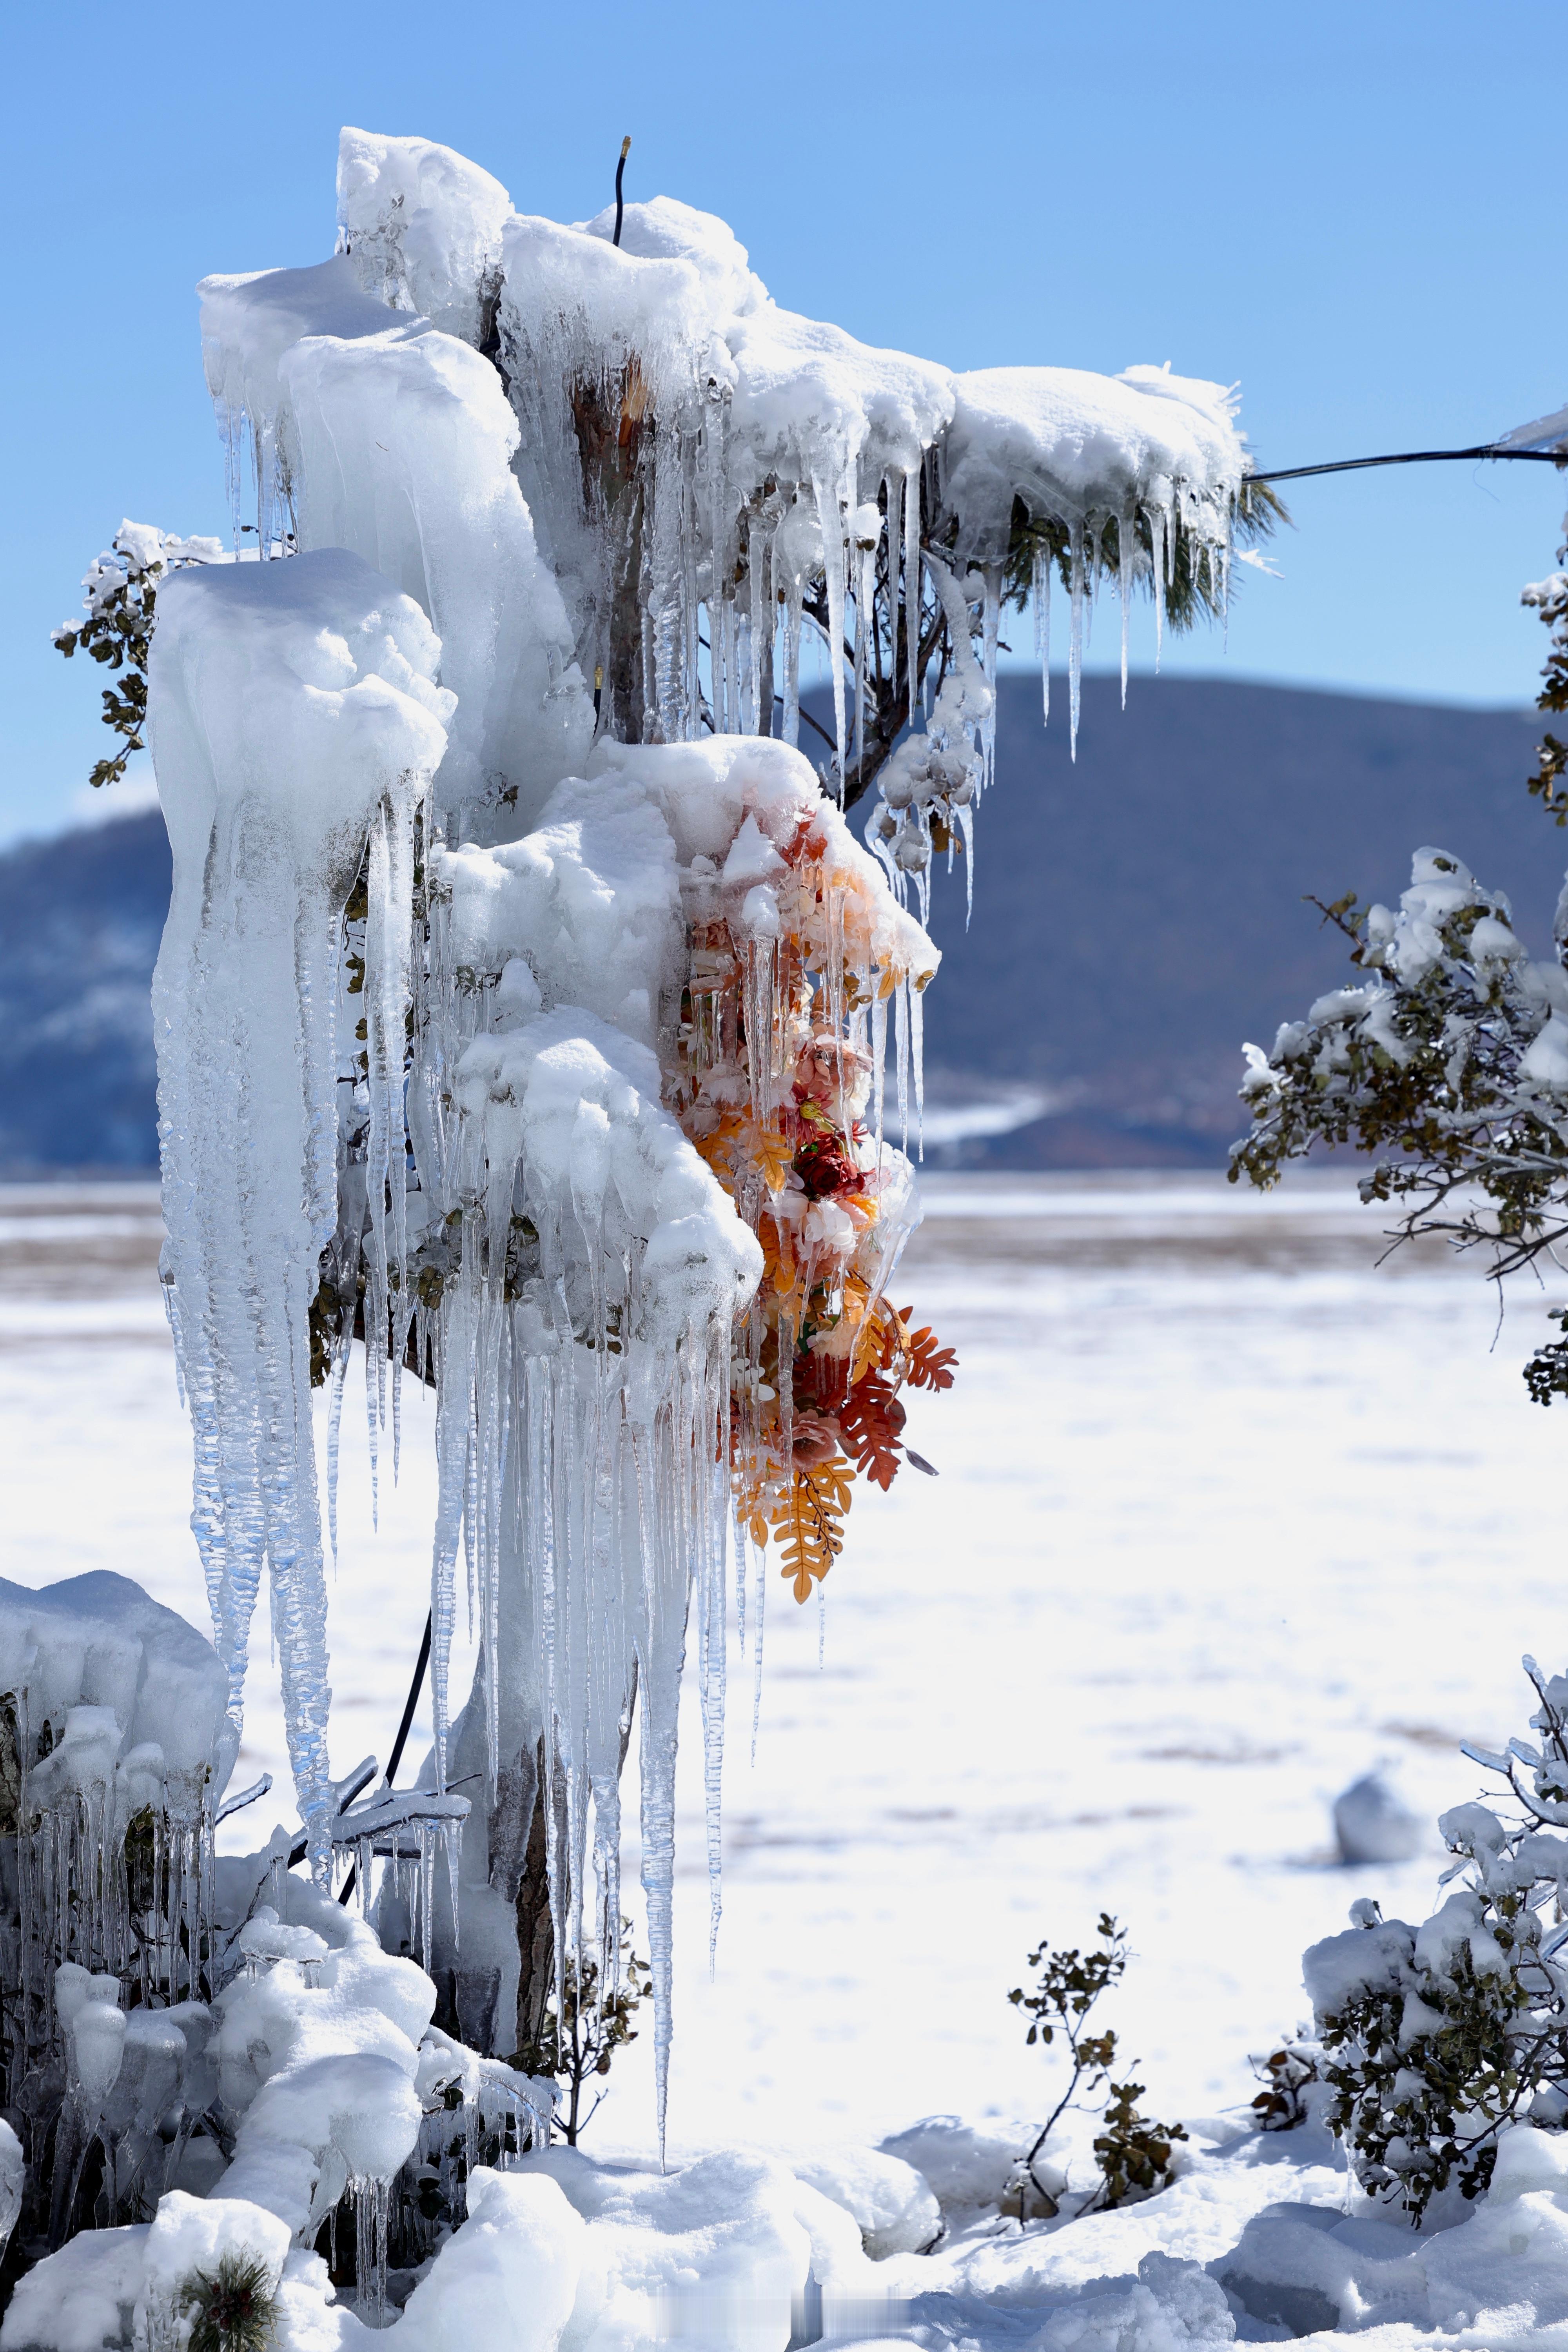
928, 1365
771, 1155
808, 1520
871, 1420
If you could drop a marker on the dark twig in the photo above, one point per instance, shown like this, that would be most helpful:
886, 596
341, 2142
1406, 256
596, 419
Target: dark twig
620, 175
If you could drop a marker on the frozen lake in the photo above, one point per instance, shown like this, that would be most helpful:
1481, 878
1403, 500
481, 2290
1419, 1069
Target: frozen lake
1226, 1514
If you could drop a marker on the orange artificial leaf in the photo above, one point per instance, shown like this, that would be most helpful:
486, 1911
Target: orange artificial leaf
927, 1365
808, 1520
771, 1155
871, 1420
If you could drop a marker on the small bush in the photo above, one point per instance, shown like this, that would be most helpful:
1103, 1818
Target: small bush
1133, 2153
1435, 2039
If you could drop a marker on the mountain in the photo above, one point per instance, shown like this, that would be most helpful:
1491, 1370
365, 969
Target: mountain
1137, 914
80, 918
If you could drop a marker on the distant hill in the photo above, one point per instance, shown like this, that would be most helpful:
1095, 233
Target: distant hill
1136, 916
80, 918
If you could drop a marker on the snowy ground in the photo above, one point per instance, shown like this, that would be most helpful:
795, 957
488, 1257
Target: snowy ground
1225, 1514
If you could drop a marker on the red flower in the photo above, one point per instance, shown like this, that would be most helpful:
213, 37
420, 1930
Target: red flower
825, 1167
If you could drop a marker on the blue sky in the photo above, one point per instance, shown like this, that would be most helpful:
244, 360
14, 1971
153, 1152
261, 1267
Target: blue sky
1350, 211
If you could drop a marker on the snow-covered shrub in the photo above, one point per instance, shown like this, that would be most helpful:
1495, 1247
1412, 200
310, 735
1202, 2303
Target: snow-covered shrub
1132, 2152
1550, 598
1287, 2075
584, 2027
121, 594
1436, 2038
115, 1747
1447, 1060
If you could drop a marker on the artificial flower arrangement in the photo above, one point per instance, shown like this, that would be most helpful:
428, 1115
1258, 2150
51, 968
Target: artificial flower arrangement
795, 956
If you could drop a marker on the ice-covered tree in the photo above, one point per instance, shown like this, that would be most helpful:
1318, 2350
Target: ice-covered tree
527, 1004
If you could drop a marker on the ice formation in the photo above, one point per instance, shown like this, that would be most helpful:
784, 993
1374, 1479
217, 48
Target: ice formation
113, 1715
537, 1030
293, 721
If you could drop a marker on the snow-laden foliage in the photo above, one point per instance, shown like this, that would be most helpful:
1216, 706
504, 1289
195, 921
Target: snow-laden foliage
1437, 2039
170, 2017
1449, 1062
120, 595
1549, 599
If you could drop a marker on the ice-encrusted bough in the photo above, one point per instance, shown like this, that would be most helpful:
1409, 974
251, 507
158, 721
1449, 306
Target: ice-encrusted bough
524, 1004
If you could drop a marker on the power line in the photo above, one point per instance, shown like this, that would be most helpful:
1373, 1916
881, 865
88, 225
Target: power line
1412, 457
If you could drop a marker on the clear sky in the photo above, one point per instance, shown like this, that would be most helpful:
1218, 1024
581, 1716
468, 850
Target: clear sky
1355, 211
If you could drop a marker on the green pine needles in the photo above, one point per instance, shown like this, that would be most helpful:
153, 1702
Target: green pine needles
234, 2308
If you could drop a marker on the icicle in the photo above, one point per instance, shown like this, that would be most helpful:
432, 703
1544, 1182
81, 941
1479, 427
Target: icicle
369, 2199
830, 511
760, 719
912, 581
1075, 639
990, 624
1040, 596
1124, 532
917, 1058
1158, 554
249, 958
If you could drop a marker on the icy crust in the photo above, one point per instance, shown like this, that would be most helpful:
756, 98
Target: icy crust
1076, 446
584, 910
292, 713
97, 1643
737, 804
390, 438
249, 320
571, 1105
116, 1713
423, 225
320, 2062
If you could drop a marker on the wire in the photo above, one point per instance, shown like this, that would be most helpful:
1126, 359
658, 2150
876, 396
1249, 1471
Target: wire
1410, 457
400, 1742
620, 174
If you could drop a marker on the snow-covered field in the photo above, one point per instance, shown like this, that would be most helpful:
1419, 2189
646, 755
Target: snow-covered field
1225, 1513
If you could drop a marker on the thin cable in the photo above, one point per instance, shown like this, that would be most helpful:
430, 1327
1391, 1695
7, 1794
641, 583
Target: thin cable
400, 1741
1410, 457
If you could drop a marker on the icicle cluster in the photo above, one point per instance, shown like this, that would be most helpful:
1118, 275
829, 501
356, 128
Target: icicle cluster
291, 715
540, 1031
116, 1750
692, 455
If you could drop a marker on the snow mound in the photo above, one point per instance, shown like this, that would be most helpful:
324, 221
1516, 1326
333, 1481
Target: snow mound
892, 2203
965, 2166
1373, 1822
420, 226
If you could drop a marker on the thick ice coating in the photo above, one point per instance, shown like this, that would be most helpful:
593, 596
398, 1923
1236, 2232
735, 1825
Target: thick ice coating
293, 716
423, 225
386, 436
535, 1022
